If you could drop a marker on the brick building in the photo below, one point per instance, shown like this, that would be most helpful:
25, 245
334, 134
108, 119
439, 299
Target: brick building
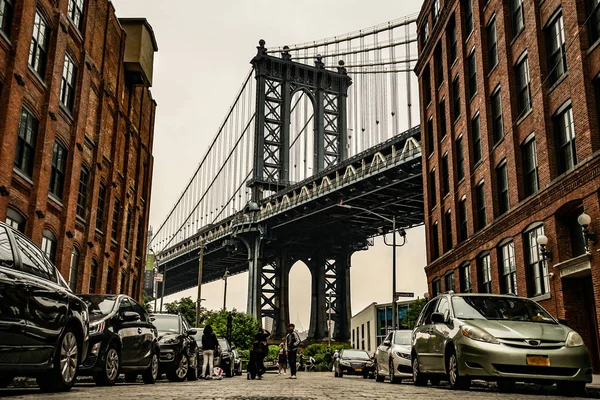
510, 93
76, 133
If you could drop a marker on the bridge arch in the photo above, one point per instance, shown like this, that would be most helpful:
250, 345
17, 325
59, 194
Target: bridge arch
302, 134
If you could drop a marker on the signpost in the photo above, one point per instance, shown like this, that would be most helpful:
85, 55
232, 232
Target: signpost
405, 294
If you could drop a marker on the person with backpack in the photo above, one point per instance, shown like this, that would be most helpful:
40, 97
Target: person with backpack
292, 342
209, 347
261, 349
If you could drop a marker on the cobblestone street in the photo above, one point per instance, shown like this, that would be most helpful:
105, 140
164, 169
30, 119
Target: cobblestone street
307, 386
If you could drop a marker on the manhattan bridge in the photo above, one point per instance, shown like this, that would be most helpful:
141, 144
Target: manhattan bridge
314, 126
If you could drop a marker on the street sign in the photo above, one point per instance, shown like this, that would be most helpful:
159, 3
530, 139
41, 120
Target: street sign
149, 283
158, 277
405, 294
149, 262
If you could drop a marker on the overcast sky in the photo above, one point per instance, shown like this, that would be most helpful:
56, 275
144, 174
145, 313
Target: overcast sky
204, 52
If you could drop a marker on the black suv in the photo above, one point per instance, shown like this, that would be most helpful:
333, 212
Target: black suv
178, 348
43, 325
223, 357
122, 339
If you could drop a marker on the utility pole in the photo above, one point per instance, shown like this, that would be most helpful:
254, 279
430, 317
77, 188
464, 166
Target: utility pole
225, 290
394, 308
329, 322
164, 283
200, 266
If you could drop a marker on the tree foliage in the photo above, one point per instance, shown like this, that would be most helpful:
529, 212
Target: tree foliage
146, 303
412, 315
244, 326
186, 306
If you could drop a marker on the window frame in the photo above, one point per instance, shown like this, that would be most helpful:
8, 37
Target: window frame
445, 175
522, 85
74, 268
516, 14
38, 53
6, 17
76, 13
449, 275
68, 83
456, 109
435, 241
480, 205
26, 143
58, 169
484, 273
530, 166
492, 47
15, 219
502, 187
100, 206
448, 229
432, 189
472, 73
556, 49
49, 244
84, 179
508, 272
466, 284
566, 153
537, 268
463, 220
436, 284
497, 118
476, 139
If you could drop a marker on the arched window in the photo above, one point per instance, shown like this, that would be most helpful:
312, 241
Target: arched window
74, 271
49, 243
15, 220
93, 275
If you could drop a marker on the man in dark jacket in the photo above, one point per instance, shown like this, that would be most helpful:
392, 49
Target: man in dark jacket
262, 349
292, 342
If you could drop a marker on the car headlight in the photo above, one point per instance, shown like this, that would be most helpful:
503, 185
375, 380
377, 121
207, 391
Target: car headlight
169, 340
478, 334
345, 363
97, 327
406, 356
574, 339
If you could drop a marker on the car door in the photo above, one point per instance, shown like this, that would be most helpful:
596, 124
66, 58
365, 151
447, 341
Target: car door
13, 303
422, 335
383, 354
128, 332
439, 337
146, 331
47, 304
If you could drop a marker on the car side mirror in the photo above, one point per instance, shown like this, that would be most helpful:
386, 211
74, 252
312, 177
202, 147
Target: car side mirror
387, 343
130, 316
438, 318
192, 332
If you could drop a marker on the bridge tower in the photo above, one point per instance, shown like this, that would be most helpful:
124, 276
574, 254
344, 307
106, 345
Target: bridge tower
278, 79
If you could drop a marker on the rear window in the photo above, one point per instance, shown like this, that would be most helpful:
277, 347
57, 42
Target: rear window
165, 323
355, 355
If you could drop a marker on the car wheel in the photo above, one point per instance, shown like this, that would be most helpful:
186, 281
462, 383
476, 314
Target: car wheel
506, 386
392, 373
571, 389
457, 382
61, 378
419, 378
131, 377
378, 377
5, 381
110, 372
192, 374
179, 369
150, 375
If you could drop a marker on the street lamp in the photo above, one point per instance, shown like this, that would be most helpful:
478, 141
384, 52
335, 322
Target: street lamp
542, 241
329, 321
585, 220
225, 290
393, 245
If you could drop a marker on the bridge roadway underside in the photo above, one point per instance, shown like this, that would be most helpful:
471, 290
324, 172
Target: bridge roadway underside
317, 232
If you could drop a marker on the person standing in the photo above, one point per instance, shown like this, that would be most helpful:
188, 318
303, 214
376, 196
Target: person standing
282, 360
327, 358
292, 341
209, 346
262, 349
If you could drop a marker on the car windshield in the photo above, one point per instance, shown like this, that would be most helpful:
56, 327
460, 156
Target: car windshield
99, 304
223, 344
165, 323
500, 309
403, 338
355, 355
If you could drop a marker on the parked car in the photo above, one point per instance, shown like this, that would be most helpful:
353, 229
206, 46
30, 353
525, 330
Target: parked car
122, 339
392, 358
237, 362
43, 325
222, 358
353, 362
178, 348
500, 338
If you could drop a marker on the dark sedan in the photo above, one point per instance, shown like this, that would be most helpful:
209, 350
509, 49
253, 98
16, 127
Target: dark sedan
178, 348
43, 325
354, 362
122, 339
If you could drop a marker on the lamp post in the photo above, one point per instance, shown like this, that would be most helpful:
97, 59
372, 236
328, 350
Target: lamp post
225, 290
393, 245
585, 220
329, 321
155, 289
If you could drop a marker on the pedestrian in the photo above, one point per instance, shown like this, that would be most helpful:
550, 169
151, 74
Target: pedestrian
262, 349
292, 341
327, 358
209, 347
282, 360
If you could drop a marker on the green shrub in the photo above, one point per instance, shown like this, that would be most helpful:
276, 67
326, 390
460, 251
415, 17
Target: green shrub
244, 354
273, 352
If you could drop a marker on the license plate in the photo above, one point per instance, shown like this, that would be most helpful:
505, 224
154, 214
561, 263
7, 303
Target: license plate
358, 369
538, 361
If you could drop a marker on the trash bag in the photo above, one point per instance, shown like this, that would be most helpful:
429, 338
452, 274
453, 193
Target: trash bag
217, 373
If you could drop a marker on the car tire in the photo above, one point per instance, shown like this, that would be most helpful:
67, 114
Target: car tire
5, 381
178, 371
131, 377
150, 375
457, 382
506, 386
571, 389
392, 372
378, 377
62, 377
419, 378
112, 363
192, 374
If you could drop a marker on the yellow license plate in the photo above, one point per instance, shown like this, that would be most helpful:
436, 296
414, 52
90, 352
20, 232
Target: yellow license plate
358, 369
538, 361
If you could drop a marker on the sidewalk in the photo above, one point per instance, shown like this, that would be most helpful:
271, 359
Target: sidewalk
595, 382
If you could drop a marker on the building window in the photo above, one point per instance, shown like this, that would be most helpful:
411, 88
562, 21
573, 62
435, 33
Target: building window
427, 86
425, 33
123, 283
565, 140
530, 167
502, 183
39, 44
438, 65
109, 280
432, 189
115, 220
82, 194
6, 13
140, 237
508, 268
15, 220
49, 245
368, 335
430, 136
468, 17
455, 98
436, 286
128, 230
484, 272
465, 278
435, 242
523, 90
448, 229
57, 172
445, 174
537, 271
476, 134
452, 39
100, 207
28, 129
449, 281
460, 159
442, 117
555, 47
76, 13
362, 328
492, 44
594, 22
472, 66
67, 84
74, 270
516, 17
463, 229
480, 200
93, 275
353, 339
497, 123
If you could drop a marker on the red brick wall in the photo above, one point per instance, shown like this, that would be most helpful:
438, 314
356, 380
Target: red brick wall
110, 132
